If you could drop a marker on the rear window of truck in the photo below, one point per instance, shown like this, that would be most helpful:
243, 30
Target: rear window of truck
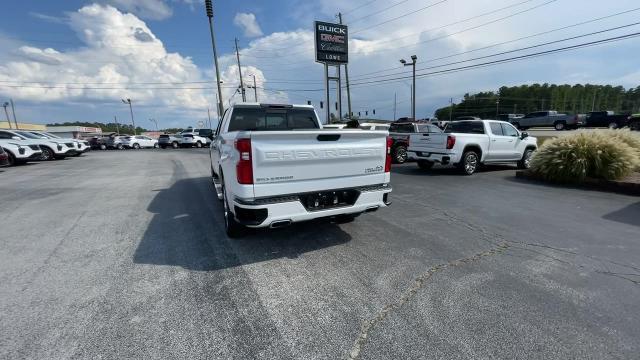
465, 127
247, 119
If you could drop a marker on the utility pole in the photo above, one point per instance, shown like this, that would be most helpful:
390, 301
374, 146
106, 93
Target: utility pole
593, 104
414, 59
13, 110
255, 87
115, 118
209, 116
155, 122
244, 97
395, 105
7, 113
209, 8
128, 101
346, 74
450, 108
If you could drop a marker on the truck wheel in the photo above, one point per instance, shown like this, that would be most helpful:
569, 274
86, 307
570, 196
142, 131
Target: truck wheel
525, 162
231, 226
175, 145
560, 125
198, 144
469, 163
400, 155
103, 147
119, 147
613, 125
136, 146
12, 159
155, 146
425, 165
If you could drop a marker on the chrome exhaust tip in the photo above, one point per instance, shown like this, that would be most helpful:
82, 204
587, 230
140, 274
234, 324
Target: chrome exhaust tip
280, 224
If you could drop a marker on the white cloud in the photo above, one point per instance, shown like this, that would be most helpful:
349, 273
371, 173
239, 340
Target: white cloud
121, 58
147, 9
247, 22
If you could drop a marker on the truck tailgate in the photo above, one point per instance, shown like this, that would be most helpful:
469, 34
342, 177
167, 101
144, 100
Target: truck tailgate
428, 142
291, 162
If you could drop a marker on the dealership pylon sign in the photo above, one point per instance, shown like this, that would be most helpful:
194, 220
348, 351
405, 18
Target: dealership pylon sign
332, 43
332, 49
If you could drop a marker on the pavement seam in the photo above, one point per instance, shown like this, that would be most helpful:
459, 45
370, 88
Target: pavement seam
417, 284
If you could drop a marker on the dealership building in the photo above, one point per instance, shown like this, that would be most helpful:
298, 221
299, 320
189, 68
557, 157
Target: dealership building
75, 132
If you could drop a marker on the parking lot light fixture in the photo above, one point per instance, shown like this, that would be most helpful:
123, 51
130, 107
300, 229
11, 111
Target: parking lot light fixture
414, 60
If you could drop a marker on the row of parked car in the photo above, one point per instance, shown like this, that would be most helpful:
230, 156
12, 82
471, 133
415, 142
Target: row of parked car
188, 138
21, 146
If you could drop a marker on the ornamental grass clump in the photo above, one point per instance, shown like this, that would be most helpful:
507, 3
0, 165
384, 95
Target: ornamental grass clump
609, 155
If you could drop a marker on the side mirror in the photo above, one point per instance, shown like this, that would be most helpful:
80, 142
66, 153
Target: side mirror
524, 135
16, 138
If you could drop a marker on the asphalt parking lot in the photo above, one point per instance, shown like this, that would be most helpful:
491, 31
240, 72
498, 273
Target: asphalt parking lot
123, 255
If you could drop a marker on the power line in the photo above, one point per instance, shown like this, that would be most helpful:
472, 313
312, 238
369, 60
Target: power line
514, 50
359, 7
515, 58
507, 42
401, 16
379, 11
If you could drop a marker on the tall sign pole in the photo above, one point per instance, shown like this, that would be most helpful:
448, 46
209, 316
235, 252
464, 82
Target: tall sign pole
209, 8
7, 113
244, 96
332, 49
346, 76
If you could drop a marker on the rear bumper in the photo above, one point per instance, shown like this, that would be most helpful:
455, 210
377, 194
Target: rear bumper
290, 209
441, 158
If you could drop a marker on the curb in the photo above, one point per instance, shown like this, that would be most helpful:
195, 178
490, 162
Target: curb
622, 187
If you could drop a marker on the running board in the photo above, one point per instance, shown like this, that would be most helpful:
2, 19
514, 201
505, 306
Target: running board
218, 185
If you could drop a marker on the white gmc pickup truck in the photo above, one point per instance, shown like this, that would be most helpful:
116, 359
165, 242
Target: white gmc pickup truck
274, 164
468, 144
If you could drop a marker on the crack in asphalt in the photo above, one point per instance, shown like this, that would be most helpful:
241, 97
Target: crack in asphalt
417, 284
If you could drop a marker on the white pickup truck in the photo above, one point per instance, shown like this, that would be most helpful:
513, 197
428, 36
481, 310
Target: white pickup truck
274, 164
468, 144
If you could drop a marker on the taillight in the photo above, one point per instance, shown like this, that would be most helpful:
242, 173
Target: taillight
387, 163
451, 142
244, 168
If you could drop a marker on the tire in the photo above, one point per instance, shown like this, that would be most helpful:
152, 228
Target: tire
635, 125
47, 154
103, 147
119, 147
425, 165
469, 163
175, 145
136, 146
231, 226
560, 125
612, 125
198, 144
155, 146
400, 155
12, 159
525, 162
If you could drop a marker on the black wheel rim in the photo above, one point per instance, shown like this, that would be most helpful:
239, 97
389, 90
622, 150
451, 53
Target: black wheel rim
527, 159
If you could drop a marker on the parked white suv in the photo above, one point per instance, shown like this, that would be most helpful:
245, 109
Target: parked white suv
20, 153
468, 144
138, 142
192, 138
81, 145
51, 149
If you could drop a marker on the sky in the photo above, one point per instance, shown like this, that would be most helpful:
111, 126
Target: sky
75, 60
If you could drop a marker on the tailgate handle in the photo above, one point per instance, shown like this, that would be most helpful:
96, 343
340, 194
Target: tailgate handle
328, 137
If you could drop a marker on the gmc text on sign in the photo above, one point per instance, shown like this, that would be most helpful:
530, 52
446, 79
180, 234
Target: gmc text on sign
332, 43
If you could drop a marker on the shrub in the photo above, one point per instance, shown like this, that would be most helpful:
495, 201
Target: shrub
601, 155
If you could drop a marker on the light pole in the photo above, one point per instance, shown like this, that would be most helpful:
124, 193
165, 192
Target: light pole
155, 122
13, 110
414, 59
209, 8
255, 87
128, 101
7, 113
